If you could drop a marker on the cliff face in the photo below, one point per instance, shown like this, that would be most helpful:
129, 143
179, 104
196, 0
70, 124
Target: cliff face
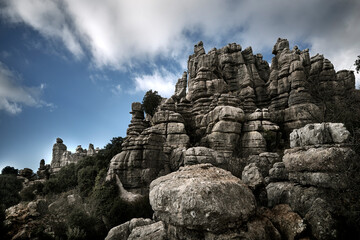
233, 105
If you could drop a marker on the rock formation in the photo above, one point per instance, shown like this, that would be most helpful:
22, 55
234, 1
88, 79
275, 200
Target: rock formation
231, 102
312, 173
61, 157
232, 111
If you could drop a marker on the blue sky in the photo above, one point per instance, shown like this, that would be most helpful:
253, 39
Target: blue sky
72, 68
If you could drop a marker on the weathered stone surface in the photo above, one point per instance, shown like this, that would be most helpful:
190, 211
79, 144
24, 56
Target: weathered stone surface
317, 134
149, 232
197, 155
290, 224
252, 176
323, 225
323, 159
194, 197
278, 172
61, 157
124, 230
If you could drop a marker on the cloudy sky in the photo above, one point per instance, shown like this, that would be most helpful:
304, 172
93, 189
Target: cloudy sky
71, 68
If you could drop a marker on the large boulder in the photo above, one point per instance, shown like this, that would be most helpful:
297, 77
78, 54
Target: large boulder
199, 197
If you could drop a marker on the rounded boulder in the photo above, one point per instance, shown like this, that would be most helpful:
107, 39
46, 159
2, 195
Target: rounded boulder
202, 197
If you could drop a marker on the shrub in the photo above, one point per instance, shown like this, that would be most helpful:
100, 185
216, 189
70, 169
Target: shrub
151, 101
3, 229
9, 190
27, 194
9, 170
86, 180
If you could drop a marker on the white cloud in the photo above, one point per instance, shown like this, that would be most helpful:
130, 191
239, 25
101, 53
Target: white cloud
117, 89
119, 33
160, 80
13, 95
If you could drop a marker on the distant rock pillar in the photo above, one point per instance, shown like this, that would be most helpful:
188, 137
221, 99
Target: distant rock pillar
91, 150
58, 150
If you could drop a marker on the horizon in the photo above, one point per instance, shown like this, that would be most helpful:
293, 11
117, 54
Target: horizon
72, 69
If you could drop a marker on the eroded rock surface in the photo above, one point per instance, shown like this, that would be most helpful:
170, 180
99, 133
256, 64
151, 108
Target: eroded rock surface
199, 197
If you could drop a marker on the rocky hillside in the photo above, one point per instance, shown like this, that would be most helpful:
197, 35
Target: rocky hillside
242, 150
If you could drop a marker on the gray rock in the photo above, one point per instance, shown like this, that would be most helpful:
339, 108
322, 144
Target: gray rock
278, 172
290, 224
321, 220
149, 232
123, 231
317, 134
199, 197
252, 176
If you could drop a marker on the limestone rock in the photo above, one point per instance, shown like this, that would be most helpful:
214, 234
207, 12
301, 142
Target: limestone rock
323, 167
124, 230
149, 232
278, 172
321, 220
199, 197
198, 155
317, 134
289, 223
252, 176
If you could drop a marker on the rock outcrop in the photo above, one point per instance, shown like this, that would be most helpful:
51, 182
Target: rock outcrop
61, 157
312, 174
231, 102
232, 111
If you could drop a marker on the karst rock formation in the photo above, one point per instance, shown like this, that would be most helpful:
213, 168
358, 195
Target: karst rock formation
237, 152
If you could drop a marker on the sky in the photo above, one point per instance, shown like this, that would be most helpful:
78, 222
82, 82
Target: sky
72, 68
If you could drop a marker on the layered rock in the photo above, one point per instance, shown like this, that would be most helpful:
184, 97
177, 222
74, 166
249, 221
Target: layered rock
146, 154
311, 174
231, 102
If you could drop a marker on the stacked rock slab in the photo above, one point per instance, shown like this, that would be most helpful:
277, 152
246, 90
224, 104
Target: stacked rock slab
299, 86
146, 153
256, 130
312, 173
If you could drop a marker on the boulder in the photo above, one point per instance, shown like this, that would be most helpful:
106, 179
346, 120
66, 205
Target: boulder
199, 197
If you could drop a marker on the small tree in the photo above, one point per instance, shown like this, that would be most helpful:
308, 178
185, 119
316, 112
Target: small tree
151, 101
357, 64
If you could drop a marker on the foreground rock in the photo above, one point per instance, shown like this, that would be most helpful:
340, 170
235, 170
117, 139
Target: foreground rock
312, 175
199, 197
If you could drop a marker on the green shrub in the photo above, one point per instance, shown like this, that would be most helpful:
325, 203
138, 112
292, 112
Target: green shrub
9, 190
86, 180
9, 170
80, 225
151, 101
3, 229
27, 194
63, 181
